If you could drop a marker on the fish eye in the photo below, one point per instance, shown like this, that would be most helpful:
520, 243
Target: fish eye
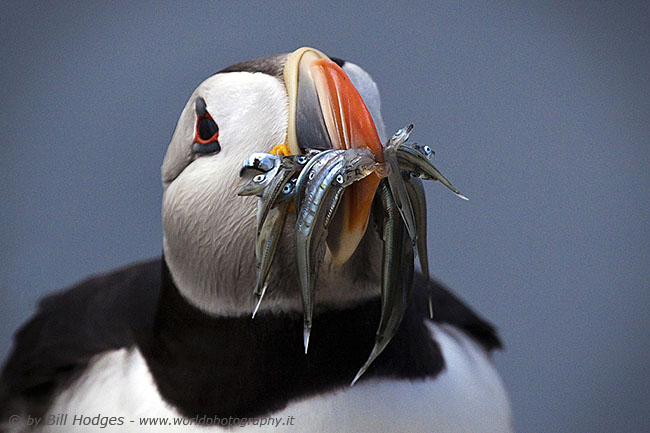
301, 159
259, 178
340, 178
287, 188
427, 150
206, 131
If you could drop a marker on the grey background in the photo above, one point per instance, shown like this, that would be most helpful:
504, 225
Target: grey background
539, 113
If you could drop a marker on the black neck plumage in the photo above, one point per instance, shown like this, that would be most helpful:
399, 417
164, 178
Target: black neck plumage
243, 367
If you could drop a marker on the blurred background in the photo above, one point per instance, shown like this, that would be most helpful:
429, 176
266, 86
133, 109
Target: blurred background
538, 111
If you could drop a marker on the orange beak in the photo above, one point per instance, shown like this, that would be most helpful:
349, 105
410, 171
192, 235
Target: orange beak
326, 111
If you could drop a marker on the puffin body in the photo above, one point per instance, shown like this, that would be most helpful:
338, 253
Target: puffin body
171, 341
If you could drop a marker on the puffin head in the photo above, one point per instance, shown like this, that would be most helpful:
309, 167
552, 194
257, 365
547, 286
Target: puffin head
299, 100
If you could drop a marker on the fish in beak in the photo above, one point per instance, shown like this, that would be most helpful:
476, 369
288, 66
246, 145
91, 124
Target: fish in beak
333, 151
327, 112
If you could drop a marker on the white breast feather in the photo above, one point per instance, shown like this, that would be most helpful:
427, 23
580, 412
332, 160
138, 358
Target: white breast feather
467, 396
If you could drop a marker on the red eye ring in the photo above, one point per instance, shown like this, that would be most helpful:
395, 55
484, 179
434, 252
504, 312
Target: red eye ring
198, 129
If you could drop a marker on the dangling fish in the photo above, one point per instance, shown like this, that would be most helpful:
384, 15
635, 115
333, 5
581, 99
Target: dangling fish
314, 183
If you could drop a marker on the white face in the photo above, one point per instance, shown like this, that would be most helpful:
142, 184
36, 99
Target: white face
203, 218
209, 231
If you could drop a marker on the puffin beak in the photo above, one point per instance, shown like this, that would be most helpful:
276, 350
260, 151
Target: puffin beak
325, 112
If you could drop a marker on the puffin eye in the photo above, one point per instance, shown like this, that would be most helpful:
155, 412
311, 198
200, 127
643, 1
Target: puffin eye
206, 131
259, 178
207, 128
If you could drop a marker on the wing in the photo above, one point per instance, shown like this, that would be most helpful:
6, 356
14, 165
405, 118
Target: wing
117, 310
54, 347
447, 308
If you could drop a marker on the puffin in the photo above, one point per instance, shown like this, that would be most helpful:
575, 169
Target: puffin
171, 341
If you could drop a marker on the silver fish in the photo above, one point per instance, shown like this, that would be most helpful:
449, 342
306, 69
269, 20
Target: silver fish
327, 178
259, 161
309, 171
396, 182
288, 190
316, 183
268, 236
416, 159
307, 248
397, 275
272, 191
416, 194
273, 179
268, 239
258, 183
